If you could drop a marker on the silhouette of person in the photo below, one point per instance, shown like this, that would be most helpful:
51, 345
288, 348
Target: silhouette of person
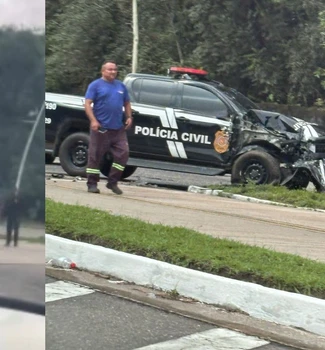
12, 211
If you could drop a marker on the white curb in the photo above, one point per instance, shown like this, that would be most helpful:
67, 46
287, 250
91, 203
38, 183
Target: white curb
268, 304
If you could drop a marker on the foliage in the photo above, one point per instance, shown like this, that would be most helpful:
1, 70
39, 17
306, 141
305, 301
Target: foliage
269, 50
22, 93
280, 194
79, 38
320, 71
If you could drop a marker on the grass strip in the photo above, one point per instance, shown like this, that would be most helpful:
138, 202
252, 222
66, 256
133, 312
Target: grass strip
297, 198
187, 248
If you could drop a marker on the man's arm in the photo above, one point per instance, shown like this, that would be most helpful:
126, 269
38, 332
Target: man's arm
94, 124
128, 114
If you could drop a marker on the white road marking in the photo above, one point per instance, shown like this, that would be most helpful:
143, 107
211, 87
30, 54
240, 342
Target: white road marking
63, 290
213, 339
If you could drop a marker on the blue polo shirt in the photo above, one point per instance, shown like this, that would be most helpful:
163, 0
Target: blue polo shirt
109, 99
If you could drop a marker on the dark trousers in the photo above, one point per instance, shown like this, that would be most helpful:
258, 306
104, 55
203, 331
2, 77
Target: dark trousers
114, 141
12, 225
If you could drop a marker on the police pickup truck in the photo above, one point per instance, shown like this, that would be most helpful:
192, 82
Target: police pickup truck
186, 122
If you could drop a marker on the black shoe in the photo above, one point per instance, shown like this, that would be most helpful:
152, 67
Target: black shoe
114, 188
93, 189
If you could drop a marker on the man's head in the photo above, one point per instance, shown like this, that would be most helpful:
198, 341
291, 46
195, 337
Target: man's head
109, 70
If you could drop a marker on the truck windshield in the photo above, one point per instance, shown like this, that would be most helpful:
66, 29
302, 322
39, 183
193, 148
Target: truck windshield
242, 102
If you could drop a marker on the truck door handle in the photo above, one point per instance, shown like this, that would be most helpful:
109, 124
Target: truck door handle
183, 119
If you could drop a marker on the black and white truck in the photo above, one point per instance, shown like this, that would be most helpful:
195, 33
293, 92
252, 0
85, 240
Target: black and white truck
186, 122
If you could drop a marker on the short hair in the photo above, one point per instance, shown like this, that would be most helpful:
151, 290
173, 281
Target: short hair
108, 61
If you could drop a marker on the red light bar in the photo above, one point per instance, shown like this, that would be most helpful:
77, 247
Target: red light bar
187, 70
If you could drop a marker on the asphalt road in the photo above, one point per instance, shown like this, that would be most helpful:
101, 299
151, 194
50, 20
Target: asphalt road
22, 276
78, 318
22, 271
160, 177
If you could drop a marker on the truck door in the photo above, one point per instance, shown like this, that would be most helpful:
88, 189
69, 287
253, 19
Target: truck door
203, 121
150, 101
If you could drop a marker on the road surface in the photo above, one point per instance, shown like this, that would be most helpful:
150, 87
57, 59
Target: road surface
22, 271
153, 177
283, 229
79, 318
22, 276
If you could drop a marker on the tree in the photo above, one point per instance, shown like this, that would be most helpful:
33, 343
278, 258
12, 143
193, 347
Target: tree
82, 37
22, 90
268, 49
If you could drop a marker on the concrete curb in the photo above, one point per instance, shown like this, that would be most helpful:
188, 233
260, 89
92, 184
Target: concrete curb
221, 193
284, 308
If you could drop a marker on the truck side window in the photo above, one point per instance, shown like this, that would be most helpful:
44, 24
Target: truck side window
156, 92
134, 91
203, 101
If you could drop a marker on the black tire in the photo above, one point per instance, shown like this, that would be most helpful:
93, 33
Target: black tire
128, 171
49, 159
256, 167
300, 181
73, 154
106, 167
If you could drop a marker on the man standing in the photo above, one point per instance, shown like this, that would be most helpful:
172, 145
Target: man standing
12, 211
107, 126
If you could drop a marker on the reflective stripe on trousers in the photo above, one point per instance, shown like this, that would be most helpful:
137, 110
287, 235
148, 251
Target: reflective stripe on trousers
114, 141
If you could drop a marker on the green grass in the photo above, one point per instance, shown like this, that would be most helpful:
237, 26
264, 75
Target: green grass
298, 198
187, 248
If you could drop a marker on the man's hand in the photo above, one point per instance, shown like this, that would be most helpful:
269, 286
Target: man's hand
128, 123
94, 125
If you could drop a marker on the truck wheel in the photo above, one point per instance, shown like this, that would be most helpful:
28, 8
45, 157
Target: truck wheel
299, 181
256, 167
106, 167
128, 171
49, 159
74, 154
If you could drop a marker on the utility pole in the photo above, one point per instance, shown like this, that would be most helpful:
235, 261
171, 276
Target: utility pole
135, 36
27, 147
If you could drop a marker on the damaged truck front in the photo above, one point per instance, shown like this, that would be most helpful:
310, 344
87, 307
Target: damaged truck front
297, 149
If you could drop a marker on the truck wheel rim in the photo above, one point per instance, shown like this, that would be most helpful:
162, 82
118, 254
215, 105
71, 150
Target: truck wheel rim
79, 155
256, 173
